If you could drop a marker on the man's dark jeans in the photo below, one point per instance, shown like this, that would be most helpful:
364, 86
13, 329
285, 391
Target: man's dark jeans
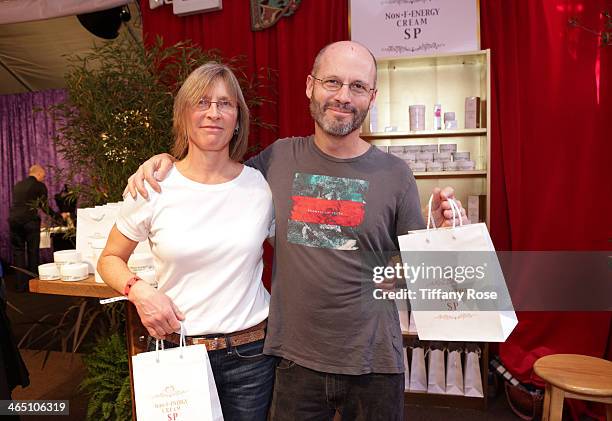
244, 377
25, 242
301, 394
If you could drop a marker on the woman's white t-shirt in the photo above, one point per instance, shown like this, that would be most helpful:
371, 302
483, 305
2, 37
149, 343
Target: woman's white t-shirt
206, 240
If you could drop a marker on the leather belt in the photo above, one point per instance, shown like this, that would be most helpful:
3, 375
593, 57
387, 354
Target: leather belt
216, 342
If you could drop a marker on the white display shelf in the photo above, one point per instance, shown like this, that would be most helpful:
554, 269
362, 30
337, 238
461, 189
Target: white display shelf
424, 134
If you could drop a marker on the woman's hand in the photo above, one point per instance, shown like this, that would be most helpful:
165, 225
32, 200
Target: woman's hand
156, 310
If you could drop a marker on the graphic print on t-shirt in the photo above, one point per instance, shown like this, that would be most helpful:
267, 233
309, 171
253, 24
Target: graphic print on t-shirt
326, 211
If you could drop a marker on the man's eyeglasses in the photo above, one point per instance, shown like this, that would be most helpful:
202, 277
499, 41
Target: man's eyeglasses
333, 85
223, 105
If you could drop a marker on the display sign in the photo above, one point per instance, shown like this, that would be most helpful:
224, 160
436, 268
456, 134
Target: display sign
400, 28
190, 7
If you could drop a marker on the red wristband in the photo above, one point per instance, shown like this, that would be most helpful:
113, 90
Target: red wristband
130, 283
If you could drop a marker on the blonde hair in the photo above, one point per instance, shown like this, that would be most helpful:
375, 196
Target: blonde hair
194, 88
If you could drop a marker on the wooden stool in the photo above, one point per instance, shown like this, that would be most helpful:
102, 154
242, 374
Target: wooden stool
575, 377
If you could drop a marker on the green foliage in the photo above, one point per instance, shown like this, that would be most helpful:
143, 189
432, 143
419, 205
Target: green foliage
119, 111
108, 380
77, 326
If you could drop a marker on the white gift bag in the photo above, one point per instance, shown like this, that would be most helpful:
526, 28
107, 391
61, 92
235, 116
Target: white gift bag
412, 329
175, 384
406, 369
435, 375
454, 372
402, 309
418, 376
468, 319
472, 376
93, 223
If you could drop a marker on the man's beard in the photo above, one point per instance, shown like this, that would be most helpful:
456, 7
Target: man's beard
332, 126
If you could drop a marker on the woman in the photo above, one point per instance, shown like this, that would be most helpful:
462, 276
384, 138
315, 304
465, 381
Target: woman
206, 233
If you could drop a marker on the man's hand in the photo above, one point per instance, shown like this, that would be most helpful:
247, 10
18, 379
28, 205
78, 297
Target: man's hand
153, 170
441, 208
156, 310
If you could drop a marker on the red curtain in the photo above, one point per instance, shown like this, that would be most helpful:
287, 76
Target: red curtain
288, 49
551, 150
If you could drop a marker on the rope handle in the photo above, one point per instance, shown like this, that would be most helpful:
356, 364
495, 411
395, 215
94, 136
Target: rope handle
454, 208
430, 218
182, 343
456, 212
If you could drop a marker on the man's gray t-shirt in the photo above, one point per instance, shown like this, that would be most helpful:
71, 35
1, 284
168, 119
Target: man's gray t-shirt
331, 214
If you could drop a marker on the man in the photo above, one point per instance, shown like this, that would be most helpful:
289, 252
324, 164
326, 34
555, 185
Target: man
337, 199
24, 222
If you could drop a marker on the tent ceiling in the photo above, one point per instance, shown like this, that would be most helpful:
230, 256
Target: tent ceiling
33, 54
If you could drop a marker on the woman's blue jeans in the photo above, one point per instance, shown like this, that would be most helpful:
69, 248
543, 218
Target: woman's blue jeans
244, 377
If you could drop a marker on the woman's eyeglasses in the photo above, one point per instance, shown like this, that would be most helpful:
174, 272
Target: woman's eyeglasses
223, 105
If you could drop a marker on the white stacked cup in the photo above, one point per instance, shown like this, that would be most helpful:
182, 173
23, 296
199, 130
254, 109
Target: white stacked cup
48, 272
64, 257
72, 272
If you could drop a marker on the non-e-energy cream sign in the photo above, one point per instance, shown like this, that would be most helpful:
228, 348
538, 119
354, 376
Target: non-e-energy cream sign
397, 28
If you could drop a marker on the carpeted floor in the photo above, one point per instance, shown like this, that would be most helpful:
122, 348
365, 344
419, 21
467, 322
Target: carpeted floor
57, 378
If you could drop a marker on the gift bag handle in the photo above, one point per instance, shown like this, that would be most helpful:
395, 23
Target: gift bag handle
182, 343
430, 218
477, 351
454, 208
157, 346
448, 351
456, 212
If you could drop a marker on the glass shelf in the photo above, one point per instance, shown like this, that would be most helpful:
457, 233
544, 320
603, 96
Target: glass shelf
424, 134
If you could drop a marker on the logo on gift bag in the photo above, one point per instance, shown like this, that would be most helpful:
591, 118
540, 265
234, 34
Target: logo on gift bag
170, 403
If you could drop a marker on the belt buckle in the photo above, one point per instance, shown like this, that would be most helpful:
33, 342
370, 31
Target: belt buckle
215, 343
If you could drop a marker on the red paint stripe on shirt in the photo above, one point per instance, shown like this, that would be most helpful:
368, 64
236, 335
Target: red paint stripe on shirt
322, 211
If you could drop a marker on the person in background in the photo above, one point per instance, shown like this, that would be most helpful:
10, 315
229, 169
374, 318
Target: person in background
29, 195
206, 237
66, 204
